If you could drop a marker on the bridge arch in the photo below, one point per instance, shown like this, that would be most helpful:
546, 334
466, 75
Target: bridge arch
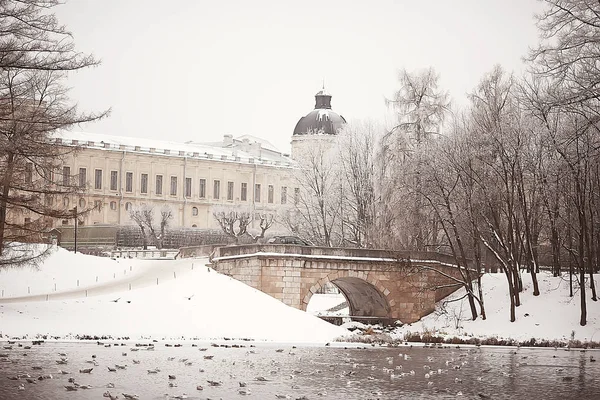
365, 297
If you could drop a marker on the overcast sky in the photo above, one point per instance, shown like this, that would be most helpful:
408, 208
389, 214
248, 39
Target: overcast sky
196, 70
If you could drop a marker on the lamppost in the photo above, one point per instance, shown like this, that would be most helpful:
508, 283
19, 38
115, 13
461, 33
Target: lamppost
75, 218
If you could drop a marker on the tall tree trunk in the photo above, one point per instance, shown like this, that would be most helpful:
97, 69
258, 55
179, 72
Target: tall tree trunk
583, 319
512, 294
144, 237
463, 255
4, 199
536, 288
481, 302
529, 253
582, 250
589, 233
476, 249
570, 252
555, 249
507, 272
517, 283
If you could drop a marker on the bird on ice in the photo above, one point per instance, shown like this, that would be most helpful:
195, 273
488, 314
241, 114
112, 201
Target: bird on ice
110, 396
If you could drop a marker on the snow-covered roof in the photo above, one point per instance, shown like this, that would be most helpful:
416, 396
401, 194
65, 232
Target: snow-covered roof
227, 150
265, 143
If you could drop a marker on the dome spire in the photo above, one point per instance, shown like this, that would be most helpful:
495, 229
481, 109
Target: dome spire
322, 98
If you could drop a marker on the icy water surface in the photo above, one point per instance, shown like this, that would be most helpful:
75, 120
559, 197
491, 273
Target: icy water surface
305, 372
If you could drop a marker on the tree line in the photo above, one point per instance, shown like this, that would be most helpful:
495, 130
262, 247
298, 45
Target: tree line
511, 179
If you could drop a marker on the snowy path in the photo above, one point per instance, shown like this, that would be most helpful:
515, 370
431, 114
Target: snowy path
145, 274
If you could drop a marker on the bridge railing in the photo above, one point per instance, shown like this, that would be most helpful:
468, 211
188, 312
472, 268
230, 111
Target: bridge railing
198, 251
230, 251
146, 254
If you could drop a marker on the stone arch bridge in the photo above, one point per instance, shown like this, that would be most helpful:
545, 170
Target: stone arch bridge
389, 285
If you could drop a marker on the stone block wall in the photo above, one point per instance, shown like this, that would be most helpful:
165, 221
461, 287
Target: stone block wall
372, 287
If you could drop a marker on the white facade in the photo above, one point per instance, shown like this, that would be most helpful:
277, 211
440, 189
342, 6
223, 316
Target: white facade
190, 178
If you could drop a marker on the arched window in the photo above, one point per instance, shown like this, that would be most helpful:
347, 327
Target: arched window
194, 226
113, 205
194, 211
65, 222
128, 206
66, 201
82, 202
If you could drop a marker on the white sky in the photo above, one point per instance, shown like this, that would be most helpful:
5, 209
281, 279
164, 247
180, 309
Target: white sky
196, 70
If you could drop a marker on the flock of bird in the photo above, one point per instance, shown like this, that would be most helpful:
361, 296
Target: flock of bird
342, 367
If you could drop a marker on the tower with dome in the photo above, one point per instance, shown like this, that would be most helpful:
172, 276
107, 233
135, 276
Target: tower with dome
321, 124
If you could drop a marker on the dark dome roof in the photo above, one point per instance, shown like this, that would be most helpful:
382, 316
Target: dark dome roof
322, 119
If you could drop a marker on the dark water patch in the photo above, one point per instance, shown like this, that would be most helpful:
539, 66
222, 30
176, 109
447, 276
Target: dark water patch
268, 370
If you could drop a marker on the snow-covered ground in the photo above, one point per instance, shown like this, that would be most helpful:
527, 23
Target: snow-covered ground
320, 303
74, 294
552, 315
189, 300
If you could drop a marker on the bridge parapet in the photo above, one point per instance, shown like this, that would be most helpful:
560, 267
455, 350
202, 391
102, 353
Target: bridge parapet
359, 253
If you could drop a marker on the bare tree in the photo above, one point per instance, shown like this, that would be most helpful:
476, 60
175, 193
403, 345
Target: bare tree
33, 39
566, 64
494, 114
144, 217
137, 215
421, 108
358, 150
568, 51
317, 208
35, 52
166, 215
443, 167
236, 222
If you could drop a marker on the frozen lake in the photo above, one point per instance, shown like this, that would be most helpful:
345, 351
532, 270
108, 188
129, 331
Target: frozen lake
307, 372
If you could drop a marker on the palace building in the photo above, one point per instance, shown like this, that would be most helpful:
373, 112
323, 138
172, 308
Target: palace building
191, 178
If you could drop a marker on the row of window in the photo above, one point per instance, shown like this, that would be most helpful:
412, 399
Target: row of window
82, 176
81, 203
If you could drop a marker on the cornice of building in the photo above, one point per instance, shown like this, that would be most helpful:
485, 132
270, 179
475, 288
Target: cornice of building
217, 151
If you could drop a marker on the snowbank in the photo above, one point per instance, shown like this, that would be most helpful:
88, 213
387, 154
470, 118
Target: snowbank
552, 315
320, 303
190, 301
64, 271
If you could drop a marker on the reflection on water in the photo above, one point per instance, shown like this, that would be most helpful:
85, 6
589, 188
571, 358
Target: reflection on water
313, 372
